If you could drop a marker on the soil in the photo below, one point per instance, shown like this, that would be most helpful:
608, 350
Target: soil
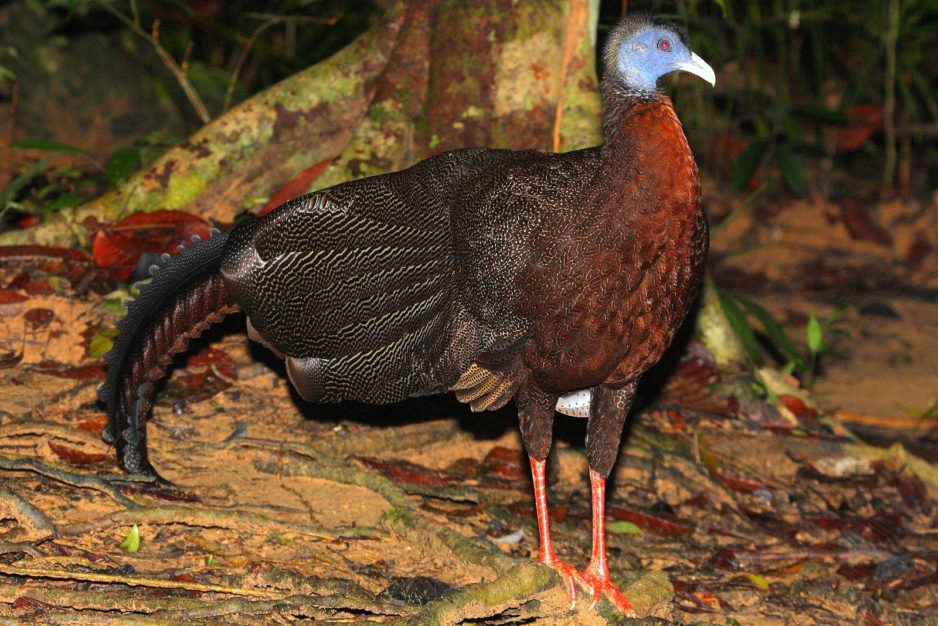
722, 509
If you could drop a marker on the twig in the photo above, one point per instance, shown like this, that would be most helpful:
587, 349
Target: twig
716, 230
83, 481
574, 19
133, 581
153, 37
229, 92
249, 45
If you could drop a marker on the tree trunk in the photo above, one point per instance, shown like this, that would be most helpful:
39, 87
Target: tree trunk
431, 75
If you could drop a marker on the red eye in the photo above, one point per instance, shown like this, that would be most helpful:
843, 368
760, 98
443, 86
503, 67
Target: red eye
664, 45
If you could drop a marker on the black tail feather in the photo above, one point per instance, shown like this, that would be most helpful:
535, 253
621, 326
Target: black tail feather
186, 295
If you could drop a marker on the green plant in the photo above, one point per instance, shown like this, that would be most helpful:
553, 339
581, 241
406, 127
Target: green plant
751, 322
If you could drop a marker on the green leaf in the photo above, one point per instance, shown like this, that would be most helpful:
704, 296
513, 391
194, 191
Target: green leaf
622, 527
930, 413
815, 336
131, 543
747, 162
65, 201
792, 170
49, 145
774, 331
210, 561
121, 164
102, 342
740, 325
8, 195
759, 582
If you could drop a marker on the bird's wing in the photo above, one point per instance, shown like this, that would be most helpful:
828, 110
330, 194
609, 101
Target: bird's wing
358, 284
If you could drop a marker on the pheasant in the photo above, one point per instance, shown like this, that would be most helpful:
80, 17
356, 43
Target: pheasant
552, 279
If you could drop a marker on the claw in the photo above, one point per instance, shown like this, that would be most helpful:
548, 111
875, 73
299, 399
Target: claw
604, 586
570, 577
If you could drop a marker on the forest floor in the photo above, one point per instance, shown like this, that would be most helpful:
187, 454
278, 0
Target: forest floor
722, 511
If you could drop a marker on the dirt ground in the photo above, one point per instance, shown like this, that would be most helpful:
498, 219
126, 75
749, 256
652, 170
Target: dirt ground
724, 510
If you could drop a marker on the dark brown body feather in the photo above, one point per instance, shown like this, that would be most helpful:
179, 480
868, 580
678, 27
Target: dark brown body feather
557, 271
494, 273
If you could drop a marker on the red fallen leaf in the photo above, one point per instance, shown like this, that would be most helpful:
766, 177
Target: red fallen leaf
701, 500
11, 301
406, 472
93, 425
25, 603
466, 466
120, 245
727, 558
296, 187
10, 359
702, 600
790, 569
74, 455
797, 406
38, 318
864, 120
28, 221
507, 463
40, 254
862, 225
862, 571
8, 296
40, 287
75, 372
697, 365
652, 523
742, 485
678, 420
880, 527
183, 577
205, 365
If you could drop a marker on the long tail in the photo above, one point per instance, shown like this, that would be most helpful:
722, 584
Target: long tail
187, 295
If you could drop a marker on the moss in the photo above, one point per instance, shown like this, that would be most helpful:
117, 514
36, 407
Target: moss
183, 189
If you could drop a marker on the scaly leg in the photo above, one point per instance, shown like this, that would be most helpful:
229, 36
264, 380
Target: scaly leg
597, 573
545, 553
603, 431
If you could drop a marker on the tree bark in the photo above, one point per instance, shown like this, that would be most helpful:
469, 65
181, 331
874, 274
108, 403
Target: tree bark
430, 76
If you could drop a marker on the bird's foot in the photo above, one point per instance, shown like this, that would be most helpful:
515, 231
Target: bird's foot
570, 575
603, 585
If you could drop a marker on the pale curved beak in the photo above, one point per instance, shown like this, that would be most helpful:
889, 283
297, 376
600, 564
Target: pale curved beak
698, 67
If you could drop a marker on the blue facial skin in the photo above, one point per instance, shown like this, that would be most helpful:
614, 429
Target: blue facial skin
642, 61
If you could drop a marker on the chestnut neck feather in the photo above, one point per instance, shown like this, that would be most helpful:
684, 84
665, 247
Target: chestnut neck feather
646, 157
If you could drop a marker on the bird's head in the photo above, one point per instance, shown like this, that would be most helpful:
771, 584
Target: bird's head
642, 49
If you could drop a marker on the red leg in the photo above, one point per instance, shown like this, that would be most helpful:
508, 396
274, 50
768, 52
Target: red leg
545, 553
597, 574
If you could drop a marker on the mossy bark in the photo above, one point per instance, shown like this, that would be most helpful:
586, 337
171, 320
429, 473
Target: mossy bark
431, 75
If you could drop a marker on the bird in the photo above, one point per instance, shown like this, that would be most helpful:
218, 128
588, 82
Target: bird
551, 279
